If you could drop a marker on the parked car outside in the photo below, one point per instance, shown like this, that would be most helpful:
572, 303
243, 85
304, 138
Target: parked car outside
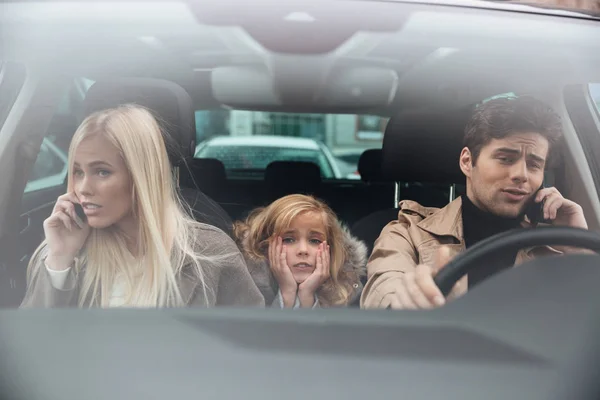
246, 155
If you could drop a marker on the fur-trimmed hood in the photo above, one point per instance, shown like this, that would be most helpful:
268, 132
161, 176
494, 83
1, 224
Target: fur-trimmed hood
354, 266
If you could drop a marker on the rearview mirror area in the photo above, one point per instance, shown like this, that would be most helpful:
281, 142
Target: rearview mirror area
349, 86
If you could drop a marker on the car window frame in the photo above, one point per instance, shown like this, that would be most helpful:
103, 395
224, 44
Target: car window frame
71, 104
585, 117
57, 179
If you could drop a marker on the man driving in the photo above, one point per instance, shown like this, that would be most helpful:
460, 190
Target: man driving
507, 145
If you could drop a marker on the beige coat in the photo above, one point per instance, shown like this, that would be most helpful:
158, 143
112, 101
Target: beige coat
413, 239
228, 281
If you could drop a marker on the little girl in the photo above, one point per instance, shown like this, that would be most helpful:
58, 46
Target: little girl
300, 255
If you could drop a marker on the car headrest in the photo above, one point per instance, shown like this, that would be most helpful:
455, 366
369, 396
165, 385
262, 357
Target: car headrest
424, 146
202, 173
168, 102
369, 166
288, 177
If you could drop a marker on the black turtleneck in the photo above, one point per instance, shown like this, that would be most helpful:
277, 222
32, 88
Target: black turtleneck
479, 225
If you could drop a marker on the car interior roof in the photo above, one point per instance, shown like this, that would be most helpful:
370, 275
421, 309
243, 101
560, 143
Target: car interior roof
428, 51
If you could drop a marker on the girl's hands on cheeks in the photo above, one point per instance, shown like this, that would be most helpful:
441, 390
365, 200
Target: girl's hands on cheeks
282, 272
308, 288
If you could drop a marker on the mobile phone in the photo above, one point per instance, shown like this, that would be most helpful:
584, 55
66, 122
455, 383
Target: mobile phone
80, 213
535, 211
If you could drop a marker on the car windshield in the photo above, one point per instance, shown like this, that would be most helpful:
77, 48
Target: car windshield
362, 109
310, 171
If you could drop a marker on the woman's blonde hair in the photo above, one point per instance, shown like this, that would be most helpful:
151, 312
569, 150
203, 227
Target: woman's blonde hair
263, 224
167, 236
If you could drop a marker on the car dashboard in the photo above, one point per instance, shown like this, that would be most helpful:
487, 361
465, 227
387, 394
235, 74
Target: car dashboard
520, 334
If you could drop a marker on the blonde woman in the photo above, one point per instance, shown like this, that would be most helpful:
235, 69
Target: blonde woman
136, 245
300, 256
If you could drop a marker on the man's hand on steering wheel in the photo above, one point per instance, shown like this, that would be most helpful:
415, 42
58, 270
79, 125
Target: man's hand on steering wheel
417, 289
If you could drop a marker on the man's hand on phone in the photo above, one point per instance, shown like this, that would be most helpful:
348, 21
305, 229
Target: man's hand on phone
560, 211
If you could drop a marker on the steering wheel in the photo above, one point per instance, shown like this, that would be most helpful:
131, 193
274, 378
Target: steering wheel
511, 241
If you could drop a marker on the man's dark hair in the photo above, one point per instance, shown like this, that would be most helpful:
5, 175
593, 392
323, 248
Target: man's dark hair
501, 117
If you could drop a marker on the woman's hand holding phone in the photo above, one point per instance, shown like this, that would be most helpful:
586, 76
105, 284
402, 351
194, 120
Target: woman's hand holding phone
65, 231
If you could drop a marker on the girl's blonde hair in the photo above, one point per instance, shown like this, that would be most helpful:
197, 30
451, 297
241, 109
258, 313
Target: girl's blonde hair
167, 235
263, 224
